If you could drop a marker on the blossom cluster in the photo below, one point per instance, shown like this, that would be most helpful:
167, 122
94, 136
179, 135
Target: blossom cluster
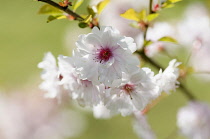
105, 75
191, 31
104, 71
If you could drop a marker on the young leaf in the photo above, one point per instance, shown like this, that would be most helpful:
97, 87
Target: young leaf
142, 16
146, 43
76, 4
151, 17
168, 39
170, 3
135, 25
174, 1
91, 11
83, 25
102, 5
51, 17
49, 10
130, 14
87, 19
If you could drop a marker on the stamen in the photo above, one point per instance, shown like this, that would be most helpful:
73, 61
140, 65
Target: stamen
104, 55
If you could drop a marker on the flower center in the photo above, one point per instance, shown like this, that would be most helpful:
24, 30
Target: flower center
104, 55
60, 77
128, 88
86, 83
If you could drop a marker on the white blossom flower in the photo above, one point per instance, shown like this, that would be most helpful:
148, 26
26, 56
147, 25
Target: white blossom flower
167, 79
112, 13
101, 112
142, 127
83, 91
133, 94
102, 56
50, 76
194, 120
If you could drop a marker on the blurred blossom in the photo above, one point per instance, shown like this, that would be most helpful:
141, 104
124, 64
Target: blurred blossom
194, 32
194, 120
50, 76
27, 116
101, 112
159, 30
156, 32
154, 48
142, 127
195, 26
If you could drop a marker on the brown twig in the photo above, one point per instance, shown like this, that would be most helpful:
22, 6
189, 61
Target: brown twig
65, 9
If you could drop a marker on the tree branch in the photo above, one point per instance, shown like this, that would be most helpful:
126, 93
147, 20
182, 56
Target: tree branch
147, 25
65, 9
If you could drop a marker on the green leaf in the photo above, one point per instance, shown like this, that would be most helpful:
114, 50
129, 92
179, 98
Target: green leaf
146, 43
76, 4
135, 25
151, 17
170, 3
174, 1
168, 39
49, 10
91, 11
102, 5
142, 16
87, 19
130, 14
82, 25
52, 18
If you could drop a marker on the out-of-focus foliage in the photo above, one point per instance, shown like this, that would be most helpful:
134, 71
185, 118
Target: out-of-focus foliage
53, 12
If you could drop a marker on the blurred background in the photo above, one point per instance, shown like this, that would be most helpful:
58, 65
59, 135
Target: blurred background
24, 114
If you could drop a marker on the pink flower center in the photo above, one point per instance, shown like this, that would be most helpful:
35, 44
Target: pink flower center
86, 83
128, 88
60, 77
104, 55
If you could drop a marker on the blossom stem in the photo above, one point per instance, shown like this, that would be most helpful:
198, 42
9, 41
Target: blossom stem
150, 6
65, 9
147, 25
142, 54
183, 89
